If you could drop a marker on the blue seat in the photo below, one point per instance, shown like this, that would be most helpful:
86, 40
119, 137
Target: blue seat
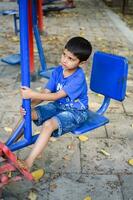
15, 17
109, 78
13, 59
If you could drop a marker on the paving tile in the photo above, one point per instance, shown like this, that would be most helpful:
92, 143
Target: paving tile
97, 187
128, 105
62, 155
38, 189
94, 161
120, 126
127, 186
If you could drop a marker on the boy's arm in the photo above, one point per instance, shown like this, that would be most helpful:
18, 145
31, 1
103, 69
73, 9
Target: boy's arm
35, 102
28, 93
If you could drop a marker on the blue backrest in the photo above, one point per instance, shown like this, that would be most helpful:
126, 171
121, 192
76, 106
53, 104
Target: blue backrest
109, 75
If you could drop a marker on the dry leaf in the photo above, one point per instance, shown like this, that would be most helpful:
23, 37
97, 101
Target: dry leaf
104, 152
37, 132
88, 198
8, 129
130, 162
32, 195
38, 88
37, 175
70, 146
9, 174
83, 138
100, 95
99, 38
82, 28
128, 94
82, 33
15, 39
53, 186
132, 125
66, 157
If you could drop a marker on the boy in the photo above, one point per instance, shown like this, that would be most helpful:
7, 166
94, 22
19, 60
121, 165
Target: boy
67, 89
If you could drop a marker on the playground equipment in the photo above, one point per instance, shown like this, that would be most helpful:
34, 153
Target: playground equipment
15, 17
126, 6
13, 59
35, 25
44, 71
68, 4
10, 164
108, 77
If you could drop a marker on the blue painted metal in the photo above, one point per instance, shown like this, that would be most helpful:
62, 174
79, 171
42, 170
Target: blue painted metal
14, 13
25, 69
47, 9
47, 73
25, 125
44, 71
23, 143
109, 78
104, 106
99, 69
37, 37
16, 19
16, 133
8, 12
109, 75
25, 77
13, 59
45, 2
94, 121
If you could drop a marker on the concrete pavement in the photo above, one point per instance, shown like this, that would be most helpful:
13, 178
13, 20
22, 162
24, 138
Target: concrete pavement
75, 169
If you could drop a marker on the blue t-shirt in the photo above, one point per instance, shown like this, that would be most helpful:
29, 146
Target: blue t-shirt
74, 85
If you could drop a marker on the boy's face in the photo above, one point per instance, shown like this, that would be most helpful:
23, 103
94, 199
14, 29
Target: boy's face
69, 61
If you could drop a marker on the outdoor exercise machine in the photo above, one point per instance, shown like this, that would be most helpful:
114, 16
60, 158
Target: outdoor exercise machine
108, 77
35, 27
13, 59
13, 13
47, 7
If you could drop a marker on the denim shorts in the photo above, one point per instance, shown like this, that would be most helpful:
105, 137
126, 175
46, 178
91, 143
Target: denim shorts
68, 119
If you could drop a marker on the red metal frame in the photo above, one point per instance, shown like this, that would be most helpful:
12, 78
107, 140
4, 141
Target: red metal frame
10, 163
40, 15
31, 40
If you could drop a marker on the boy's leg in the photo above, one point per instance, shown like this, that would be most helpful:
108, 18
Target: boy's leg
47, 128
34, 115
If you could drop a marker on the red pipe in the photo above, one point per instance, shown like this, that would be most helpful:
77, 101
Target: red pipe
31, 40
40, 15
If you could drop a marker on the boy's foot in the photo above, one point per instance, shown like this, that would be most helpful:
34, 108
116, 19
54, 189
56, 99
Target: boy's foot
37, 174
22, 164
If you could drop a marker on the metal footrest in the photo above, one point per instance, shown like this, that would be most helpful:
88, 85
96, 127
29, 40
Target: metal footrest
10, 164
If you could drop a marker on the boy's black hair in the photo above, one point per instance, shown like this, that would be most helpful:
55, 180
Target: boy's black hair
80, 47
